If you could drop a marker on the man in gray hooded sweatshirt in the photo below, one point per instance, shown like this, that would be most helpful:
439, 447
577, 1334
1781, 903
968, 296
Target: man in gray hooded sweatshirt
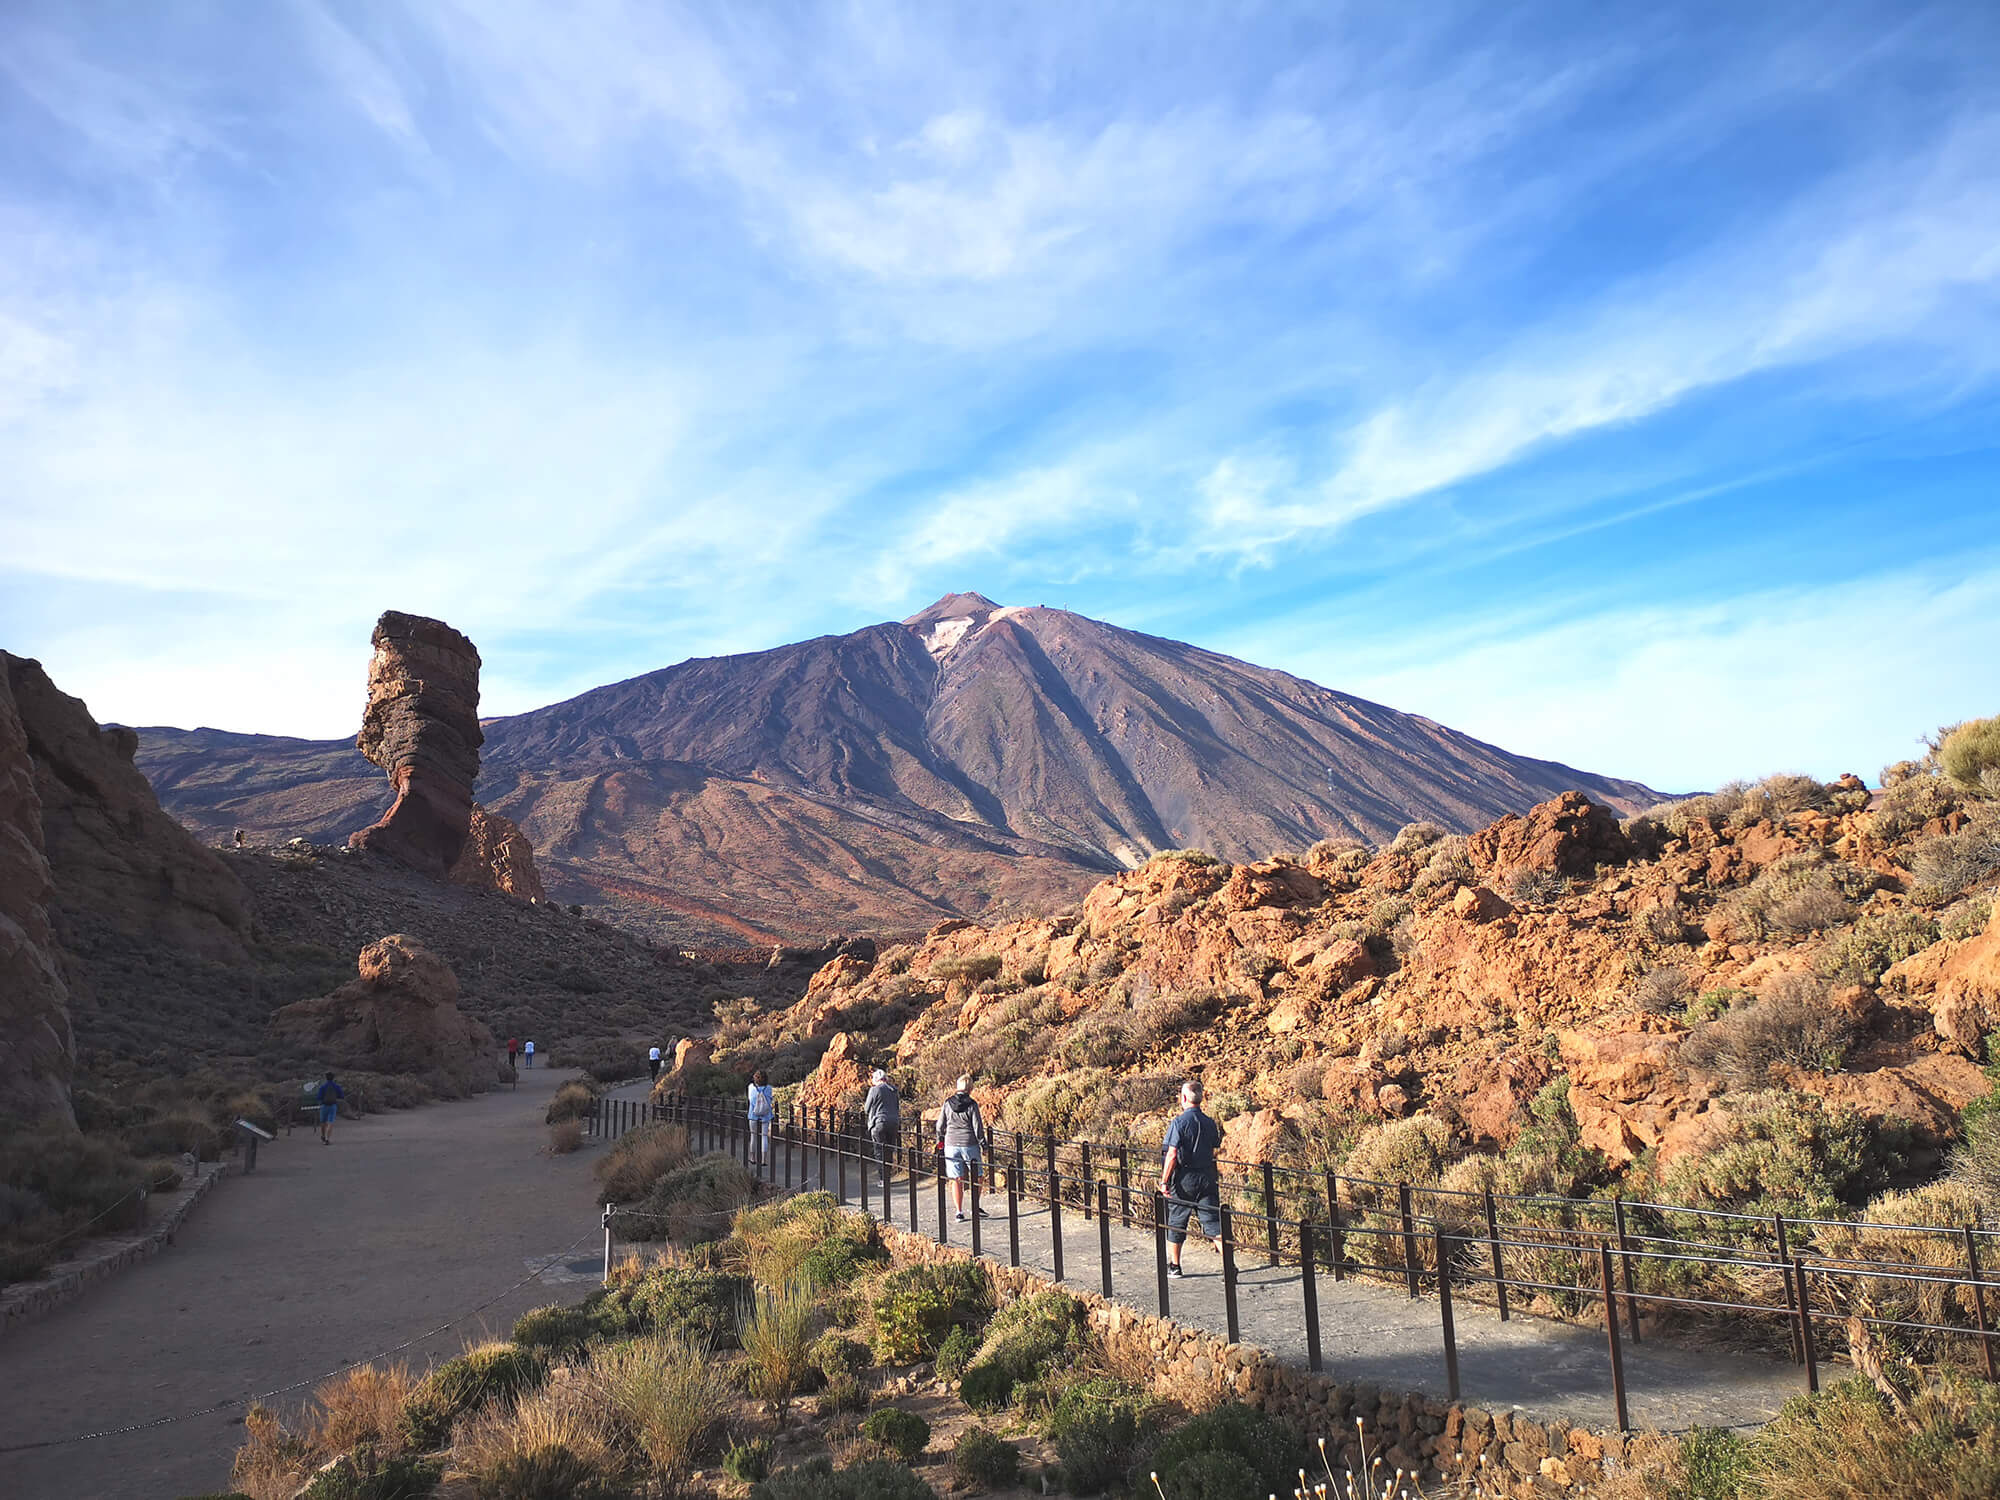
961, 1132
884, 1108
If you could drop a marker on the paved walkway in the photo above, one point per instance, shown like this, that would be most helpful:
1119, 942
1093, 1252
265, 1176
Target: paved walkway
322, 1256
1375, 1333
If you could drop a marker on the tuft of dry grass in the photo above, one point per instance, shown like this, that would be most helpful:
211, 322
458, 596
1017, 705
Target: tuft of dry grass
777, 1332
570, 1413
362, 1406
670, 1394
565, 1136
273, 1461
640, 1159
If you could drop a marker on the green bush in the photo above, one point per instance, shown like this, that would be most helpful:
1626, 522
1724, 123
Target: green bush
361, 1475
748, 1462
1791, 1024
1095, 1426
1026, 1337
982, 1458
955, 1353
987, 1386
900, 1432
917, 1306
692, 1205
551, 1472
835, 1355
1785, 1152
465, 1384
1255, 1453
1716, 1463
871, 1479
841, 1393
1970, 757
1867, 951
556, 1329
700, 1306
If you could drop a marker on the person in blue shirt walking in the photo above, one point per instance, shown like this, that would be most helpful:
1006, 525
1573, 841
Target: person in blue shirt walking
1188, 1177
329, 1095
763, 1109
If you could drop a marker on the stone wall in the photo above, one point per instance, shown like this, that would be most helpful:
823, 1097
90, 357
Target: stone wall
1435, 1439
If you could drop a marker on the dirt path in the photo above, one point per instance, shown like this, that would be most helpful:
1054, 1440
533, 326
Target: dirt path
323, 1256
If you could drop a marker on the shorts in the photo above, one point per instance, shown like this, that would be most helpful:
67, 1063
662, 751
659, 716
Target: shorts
1197, 1194
328, 1113
961, 1161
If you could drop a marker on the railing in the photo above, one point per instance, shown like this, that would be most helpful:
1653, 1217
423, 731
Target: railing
1605, 1259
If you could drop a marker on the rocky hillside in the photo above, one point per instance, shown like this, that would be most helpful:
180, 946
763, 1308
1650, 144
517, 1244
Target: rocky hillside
1602, 1001
970, 759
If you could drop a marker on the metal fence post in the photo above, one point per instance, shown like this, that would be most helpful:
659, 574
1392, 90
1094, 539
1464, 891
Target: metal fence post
1055, 1215
1805, 1326
1336, 1241
1611, 1333
1309, 1289
1409, 1238
1791, 1288
1104, 1236
1625, 1267
1493, 1240
1088, 1178
1270, 1213
1013, 1217
866, 1211
608, 1210
974, 1194
943, 1234
1125, 1186
839, 1165
1979, 1302
912, 1164
1229, 1274
1444, 1315
1160, 1247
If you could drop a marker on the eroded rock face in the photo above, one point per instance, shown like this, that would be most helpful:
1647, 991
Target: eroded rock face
497, 857
1568, 835
400, 1015
112, 851
422, 728
36, 1049
1967, 1004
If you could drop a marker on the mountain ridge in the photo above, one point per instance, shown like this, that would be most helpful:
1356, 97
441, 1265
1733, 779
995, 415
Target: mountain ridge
972, 755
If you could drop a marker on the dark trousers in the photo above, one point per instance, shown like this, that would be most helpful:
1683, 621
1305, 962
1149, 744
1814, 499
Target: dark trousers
1199, 1194
653, 1064
886, 1136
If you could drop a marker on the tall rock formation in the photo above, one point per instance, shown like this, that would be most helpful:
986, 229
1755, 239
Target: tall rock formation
498, 857
422, 728
36, 1050
116, 857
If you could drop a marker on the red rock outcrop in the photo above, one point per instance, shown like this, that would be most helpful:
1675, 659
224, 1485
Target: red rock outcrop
113, 853
400, 1016
422, 728
1570, 835
37, 1054
497, 857
1966, 1006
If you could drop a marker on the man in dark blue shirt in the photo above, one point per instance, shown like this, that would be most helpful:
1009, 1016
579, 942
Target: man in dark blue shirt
329, 1094
1188, 1178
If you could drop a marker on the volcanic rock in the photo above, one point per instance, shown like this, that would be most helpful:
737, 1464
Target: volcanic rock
422, 728
113, 853
37, 1053
400, 1016
1569, 835
498, 857
1967, 1002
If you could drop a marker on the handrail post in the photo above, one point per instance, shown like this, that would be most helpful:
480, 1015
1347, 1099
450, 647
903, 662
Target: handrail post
1125, 1185
1270, 1212
1805, 1326
1444, 1315
973, 1193
1499, 1265
1055, 1215
865, 1211
1229, 1273
839, 1164
1625, 1267
1409, 1237
1104, 1237
1979, 1302
911, 1162
943, 1234
1160, 1247
1784, 1252
1309, 1289
1013, 1217
1336, 1241
1611, 1333
1088, 1178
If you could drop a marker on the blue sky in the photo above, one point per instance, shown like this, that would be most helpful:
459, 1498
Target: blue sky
1620, 384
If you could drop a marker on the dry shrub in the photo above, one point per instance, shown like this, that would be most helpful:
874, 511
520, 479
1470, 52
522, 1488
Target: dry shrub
670, 1393
1790, 1024
1797, 894
777, 1332
1970, 757
1813, 909
1976, 1163
361, 1406
570, 1102
1414, 836
1536, 887
975, 967
1849, 1443
1875, 944
1662, 990
1171, 1013
1415, 1151
1948, 1206
571, 1413
1948, 865
1776, 796
273, 1462
1909, 802
1449, 865
640, 1159
565, 1136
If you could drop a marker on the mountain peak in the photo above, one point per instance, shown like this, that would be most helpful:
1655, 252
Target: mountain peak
952, 607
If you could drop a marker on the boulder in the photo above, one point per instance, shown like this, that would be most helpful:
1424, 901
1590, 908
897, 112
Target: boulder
422, 728
400, 1015
839, 1082
38, 1054
1478, 903
1966, 1004
1570, 835
497, 857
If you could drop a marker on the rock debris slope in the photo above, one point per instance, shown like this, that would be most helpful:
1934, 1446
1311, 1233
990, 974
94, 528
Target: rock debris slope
967, 759
37, 1054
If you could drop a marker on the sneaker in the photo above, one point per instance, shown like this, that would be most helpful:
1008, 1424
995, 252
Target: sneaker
1173, 1273
961, 1217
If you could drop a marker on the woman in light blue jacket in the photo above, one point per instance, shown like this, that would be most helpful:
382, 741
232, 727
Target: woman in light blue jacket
763, 1109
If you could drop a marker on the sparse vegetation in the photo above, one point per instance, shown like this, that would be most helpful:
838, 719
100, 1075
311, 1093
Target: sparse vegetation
1969, 756
1790, 1024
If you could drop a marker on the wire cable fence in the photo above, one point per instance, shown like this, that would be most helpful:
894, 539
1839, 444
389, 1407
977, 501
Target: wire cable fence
1634, 1268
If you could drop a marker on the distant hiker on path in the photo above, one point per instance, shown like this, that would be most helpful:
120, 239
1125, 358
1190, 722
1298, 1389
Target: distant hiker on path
238, 836
884, 1108
763, 1109
329, 1095
653, 1063
513, 1050
528, 1051
1188, 1178
961, 1132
